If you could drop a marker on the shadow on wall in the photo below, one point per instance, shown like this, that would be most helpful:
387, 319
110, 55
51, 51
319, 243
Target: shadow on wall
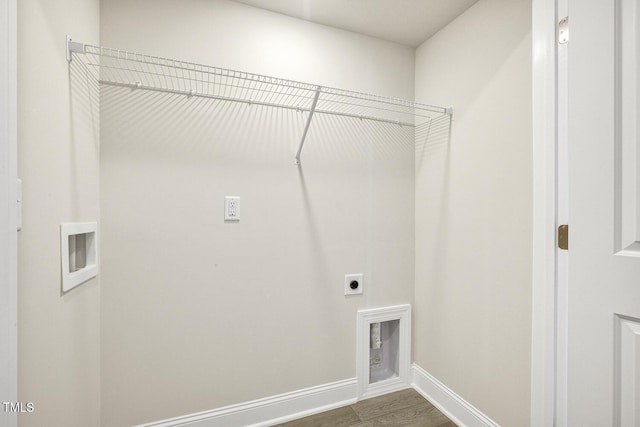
84, 95
233, 145
432, 138
264, 295
84, 133
433, 157
140, 120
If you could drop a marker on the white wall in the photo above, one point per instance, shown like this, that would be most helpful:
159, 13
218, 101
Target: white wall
58, 122
472, 316
198, 313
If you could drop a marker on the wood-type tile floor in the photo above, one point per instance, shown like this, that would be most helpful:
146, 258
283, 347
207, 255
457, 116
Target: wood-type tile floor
404, 408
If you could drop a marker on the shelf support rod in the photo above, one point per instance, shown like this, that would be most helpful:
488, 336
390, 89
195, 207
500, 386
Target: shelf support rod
306, 128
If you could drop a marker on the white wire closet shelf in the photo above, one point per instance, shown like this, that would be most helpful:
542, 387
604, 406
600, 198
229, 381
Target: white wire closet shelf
134, 70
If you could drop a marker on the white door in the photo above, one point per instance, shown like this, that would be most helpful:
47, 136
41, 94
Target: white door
603, 293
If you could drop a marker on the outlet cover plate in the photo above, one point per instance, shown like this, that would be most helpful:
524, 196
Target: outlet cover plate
232, 208
348, 278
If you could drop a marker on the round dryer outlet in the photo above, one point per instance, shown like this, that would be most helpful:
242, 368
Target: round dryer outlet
353, 284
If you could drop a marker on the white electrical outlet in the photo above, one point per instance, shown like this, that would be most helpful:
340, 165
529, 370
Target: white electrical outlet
232, 208
353, 284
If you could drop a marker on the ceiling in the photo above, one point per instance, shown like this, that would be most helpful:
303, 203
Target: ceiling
408, 22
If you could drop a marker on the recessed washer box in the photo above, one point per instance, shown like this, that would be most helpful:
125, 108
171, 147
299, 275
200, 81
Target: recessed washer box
383, 349
78, 253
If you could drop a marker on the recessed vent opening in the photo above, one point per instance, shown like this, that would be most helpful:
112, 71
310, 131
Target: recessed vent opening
383, 352
79, 253
78, 250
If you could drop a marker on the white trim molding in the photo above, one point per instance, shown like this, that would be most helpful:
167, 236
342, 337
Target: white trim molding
545, 134
79, 262
402, 378
8, 211
313, 400
271, 410
447, 401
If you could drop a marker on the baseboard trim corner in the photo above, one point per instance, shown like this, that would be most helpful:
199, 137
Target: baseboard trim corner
271, 410
447, 401
309, 401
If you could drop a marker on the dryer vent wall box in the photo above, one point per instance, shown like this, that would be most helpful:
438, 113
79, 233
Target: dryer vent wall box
78, 253
383, 350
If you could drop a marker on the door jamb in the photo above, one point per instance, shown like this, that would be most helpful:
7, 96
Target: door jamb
545, 131
8, 211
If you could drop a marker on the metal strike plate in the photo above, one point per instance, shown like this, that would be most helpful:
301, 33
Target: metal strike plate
563, 237
563, 31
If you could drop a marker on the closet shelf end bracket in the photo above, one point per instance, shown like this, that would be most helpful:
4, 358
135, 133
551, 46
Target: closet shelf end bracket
450, 111
72, 47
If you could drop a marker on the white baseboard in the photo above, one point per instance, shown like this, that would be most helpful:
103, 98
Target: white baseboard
447, 401
298, 404
271, 410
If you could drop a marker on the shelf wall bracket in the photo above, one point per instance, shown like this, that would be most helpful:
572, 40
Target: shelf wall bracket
306, 127
451, 112
73, 47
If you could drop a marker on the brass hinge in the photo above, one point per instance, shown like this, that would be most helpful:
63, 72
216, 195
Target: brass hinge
563, 237
563, 30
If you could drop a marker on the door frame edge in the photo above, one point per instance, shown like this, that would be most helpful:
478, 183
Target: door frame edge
8, 211
544, 263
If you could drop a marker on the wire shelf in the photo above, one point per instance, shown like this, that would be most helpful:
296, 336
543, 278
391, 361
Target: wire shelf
134, 70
